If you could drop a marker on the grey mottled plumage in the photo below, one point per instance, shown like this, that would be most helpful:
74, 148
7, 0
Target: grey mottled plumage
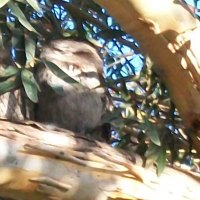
73, 109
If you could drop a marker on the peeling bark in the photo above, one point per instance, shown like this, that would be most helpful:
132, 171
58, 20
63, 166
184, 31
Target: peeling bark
37, 163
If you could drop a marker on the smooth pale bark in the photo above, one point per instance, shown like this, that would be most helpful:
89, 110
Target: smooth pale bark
36, 163
169, 34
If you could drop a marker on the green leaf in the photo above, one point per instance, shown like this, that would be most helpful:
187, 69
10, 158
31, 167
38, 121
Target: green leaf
152, 153
30, 49
94, 42
161, 161
9, 71
3, 2
157, 155
61, 74
151, 131
30, 85
34, 5
9, 84
20, 16
68, 33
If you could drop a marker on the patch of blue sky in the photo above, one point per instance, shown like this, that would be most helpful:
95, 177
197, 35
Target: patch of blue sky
126, 56
109, 21
192, 3
62, 14
198, 7
137, 62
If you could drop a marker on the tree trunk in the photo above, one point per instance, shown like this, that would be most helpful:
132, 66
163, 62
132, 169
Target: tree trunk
168, 32
37, 163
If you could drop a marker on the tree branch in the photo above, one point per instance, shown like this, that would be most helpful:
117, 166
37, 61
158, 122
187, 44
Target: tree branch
44, 164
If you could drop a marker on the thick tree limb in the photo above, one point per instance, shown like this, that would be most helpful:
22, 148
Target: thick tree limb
37, 163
